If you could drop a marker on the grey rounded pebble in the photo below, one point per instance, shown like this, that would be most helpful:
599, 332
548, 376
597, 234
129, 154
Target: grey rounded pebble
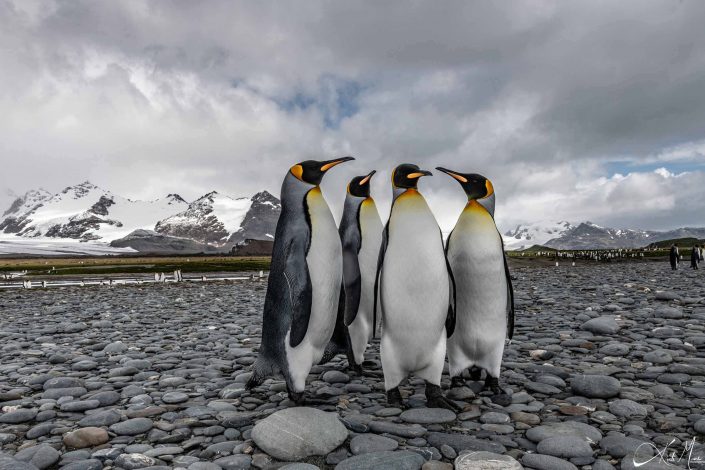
366, 443
132, 427
564, 446
299, 466
234, 462
401, 460
546, 462
41, 456
595, 386
427, 416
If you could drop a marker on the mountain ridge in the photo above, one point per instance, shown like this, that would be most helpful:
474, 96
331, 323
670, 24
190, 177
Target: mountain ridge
587, 235
87, 213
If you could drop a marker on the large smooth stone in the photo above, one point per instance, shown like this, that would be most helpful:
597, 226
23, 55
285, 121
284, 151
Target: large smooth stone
588, 433
595, 386
485, 461
296, 433
85, 437
403, 460
605, 325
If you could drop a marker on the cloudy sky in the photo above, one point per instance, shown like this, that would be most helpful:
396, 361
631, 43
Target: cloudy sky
575, 110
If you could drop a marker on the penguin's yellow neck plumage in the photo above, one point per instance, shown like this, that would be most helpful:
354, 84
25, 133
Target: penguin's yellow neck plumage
475, 217
409, 193
473, 206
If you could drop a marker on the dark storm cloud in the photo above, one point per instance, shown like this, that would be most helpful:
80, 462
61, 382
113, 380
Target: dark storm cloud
543, 97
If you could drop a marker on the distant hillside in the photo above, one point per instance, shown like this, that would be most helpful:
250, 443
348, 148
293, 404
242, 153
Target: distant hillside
681, 242
588, 236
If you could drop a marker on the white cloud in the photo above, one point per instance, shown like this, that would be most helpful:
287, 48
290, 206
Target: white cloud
152, 98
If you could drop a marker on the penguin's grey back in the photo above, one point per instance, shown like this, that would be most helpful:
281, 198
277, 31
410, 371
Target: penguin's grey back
292, 232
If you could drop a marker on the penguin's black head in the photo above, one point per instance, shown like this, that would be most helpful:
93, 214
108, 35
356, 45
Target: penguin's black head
475, 186
407, 175
312, 171
360, 185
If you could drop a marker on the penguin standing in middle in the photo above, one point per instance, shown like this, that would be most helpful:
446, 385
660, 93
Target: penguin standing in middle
484, 314
361, 236
413, 292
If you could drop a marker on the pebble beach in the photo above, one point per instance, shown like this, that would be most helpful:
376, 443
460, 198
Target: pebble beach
606, 370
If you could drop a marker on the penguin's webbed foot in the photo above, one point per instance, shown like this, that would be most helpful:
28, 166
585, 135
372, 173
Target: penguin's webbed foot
457, 381
254, 381
297, 397
475, 373
394, 398
493, 384
435, 399
499, 396
356, 368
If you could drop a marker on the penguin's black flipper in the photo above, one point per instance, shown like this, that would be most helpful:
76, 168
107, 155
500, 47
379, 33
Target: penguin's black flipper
378, 281
352, 280
339, 341
510, 300
298, 281
450, 319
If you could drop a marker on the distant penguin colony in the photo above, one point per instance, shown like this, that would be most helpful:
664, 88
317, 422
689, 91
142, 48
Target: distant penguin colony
332, 289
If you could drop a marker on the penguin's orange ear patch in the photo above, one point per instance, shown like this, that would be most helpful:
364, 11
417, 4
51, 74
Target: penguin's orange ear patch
298, 171
489, 188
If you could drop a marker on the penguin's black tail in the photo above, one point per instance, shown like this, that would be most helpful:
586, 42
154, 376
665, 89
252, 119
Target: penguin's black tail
261, 370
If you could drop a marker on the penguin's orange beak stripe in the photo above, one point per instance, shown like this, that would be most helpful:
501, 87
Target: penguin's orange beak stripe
330, 165
415, 175
365, 179
458, 177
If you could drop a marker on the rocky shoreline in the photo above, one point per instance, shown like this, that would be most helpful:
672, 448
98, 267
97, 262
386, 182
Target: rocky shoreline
606, 359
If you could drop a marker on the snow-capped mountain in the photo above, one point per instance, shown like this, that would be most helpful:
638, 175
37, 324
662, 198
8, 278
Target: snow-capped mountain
586, 235
84, 212
527, 235
219, 219
87, 213
212, 218
261, 219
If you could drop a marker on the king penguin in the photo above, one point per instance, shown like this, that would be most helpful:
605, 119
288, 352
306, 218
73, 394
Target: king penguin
413, 291
484, 298
361, 236
304, 281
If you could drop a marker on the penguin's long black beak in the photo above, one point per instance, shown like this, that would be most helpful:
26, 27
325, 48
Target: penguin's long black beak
328, 164
419, 174
367, 178
453, 174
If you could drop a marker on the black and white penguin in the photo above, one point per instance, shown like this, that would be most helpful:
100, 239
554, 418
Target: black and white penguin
304, 281
361, 236
484, 299
413, 292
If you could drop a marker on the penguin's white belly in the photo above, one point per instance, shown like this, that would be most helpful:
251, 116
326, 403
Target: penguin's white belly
361, 329
476, 258
415, 292
325, 266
